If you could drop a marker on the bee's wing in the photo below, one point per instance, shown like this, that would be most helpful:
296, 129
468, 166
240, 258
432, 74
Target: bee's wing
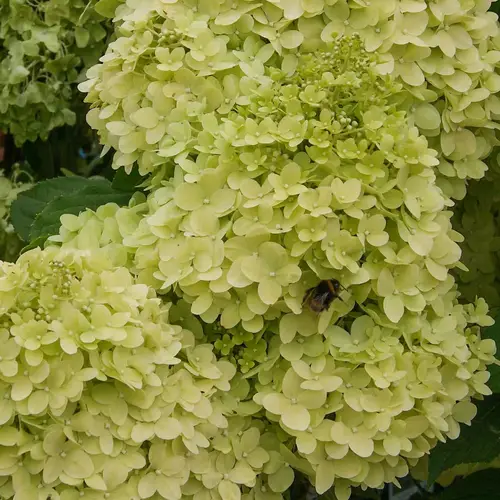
307, 295
325, 299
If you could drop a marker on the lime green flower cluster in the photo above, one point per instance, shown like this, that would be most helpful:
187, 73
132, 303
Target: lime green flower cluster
103, 397
104, 229
360, 398
44, 46
176, 62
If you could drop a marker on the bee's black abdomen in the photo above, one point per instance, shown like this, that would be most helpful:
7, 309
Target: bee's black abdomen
323, 287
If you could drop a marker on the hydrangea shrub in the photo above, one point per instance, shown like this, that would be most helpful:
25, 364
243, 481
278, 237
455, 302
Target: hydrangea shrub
286, 142
44, 48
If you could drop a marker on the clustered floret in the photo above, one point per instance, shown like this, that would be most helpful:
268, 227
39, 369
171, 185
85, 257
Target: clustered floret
280, 153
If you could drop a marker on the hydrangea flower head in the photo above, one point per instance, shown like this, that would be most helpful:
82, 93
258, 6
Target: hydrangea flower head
103, 397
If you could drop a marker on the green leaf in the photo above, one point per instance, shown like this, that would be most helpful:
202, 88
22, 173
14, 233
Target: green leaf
128, 182
30, 203
478, 443
494, 381
495, 8
482, 485
18, 74
92, 194
38, 242
493, 332
82, 37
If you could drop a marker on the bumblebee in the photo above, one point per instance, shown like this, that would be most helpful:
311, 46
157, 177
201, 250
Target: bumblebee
320, 297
